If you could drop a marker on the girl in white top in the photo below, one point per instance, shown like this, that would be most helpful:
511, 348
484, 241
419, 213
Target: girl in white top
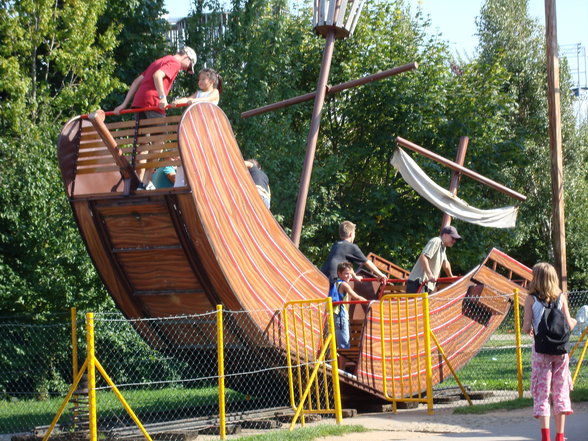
210, 85
550, 373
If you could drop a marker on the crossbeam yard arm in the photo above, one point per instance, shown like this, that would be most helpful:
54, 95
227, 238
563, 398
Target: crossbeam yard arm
331, 89
459, 168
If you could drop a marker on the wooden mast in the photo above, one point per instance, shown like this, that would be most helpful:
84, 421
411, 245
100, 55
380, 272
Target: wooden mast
332, 19
459, 159
555, 142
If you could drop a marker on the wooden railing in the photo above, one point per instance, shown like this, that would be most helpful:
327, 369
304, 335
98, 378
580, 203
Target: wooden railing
147, 143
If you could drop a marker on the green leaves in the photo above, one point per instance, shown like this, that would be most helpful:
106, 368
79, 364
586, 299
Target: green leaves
53, 66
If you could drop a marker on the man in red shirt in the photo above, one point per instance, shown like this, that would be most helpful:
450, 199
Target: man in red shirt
150, 89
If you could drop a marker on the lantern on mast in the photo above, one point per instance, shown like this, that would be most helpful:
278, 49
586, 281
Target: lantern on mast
339, 16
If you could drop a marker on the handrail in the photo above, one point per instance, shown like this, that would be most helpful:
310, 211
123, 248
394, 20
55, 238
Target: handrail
136, 110
126, 170
439, 280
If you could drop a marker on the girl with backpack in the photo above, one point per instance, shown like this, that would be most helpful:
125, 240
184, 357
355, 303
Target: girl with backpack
547, 318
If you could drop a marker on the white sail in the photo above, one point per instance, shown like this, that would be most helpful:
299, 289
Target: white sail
505, 217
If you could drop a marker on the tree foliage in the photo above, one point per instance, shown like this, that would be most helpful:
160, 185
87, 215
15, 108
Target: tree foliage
54, 65
510, 37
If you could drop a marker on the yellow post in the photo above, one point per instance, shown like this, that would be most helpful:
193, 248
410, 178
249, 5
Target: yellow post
91, 376
221, 371
335, 364
122, 400
74, 342
429, 366
517, 320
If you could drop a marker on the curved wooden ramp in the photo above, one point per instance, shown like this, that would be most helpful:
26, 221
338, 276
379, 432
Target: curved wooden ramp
252, 263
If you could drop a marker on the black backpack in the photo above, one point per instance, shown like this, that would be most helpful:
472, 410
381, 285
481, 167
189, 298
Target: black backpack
553, 332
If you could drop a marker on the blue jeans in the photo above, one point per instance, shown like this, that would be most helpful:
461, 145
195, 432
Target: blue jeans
342, 328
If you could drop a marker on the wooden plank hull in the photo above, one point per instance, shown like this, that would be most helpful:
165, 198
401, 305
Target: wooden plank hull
184, 250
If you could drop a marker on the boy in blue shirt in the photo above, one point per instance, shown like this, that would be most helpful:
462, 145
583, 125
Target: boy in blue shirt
345, 294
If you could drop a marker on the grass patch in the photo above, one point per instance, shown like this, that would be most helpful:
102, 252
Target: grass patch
579, 393
305, 433
24, 415
517, 403
495, 368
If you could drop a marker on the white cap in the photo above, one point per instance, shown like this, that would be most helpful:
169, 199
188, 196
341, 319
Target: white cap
186, 50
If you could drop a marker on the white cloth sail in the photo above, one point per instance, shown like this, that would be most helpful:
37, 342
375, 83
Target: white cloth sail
505, 217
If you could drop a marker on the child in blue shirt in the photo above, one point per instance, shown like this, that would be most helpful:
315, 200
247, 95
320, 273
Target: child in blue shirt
341, 312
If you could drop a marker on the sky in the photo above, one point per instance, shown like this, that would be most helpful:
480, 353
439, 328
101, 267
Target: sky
455, 20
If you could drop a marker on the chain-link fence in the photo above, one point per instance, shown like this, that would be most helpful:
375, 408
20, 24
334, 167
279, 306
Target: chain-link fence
167, 370
35, 370
491, 374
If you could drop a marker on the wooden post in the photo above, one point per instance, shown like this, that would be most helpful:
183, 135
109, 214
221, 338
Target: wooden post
331, 89
464, 171
131, 179
459, 159
313, 137
557, 182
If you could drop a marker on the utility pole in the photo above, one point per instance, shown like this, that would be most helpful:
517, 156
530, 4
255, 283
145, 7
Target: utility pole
557, 182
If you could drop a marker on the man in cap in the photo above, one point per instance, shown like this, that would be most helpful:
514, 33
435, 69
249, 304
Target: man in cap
431, 261
150, 89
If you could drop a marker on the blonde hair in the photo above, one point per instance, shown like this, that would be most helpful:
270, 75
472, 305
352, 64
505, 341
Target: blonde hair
346, 229
545, 283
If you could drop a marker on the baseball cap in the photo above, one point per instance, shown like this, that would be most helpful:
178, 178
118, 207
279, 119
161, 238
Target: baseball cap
191, 55
452, 231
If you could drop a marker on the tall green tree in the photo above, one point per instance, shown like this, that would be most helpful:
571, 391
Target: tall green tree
141, 38
509, 37
53, 65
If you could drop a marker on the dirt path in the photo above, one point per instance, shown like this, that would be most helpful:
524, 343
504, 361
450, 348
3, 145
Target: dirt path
444, 425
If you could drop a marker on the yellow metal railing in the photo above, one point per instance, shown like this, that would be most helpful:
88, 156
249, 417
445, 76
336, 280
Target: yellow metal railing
220, 346
90, 365
396, 337
517, 321
311, 356
405, 335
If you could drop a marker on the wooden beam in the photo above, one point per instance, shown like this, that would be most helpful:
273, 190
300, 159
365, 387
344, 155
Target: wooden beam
555, 143
454, 185
466, 171
312, 138
331, 89
126, 170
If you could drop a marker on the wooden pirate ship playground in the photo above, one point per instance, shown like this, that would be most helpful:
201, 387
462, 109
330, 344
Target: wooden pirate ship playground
185, 250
